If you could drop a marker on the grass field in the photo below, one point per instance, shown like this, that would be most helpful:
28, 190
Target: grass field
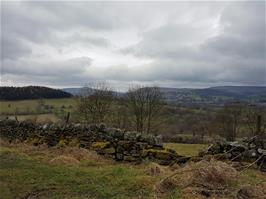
11, 107
40, 118
186, 149
29, 173
40, 172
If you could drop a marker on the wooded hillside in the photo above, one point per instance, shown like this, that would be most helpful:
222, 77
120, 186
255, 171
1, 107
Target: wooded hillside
31, 92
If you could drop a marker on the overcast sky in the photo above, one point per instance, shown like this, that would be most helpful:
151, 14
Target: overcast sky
174, 44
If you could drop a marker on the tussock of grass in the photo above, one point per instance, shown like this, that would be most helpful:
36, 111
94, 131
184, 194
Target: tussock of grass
214, 179
154, 169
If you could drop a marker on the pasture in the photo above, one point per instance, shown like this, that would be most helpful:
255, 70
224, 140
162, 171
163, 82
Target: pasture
31, 106
40, 172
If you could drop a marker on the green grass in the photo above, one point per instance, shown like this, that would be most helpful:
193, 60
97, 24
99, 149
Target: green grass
26, 172
11, 107
21, 176
186, 149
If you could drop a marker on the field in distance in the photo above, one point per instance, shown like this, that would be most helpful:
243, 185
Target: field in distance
11, 107
51, 110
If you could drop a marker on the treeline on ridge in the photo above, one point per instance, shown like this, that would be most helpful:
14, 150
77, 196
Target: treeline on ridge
31, 92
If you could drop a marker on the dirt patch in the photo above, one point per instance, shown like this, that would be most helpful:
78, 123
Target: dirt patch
39, 193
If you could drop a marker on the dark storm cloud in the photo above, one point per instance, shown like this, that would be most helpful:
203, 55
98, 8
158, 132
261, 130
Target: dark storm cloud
197, 43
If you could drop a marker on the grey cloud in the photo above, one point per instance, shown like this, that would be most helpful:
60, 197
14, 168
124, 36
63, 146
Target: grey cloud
47, 68
13, 48
42, 22
183, 52
86, 40
198, 43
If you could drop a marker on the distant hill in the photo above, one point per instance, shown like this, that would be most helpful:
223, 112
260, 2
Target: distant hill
79, 91
82, 91
215, 95
31, 92
212, 95
234, 91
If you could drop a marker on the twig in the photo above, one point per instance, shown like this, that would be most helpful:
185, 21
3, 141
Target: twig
227, 152
252, 164
236, 157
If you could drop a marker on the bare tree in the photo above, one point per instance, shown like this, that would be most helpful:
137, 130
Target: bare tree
255, 119
154, 104
119, 116
229, 118
145, 103
95, 102
136, 103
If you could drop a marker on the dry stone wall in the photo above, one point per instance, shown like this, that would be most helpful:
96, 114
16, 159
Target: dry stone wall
110, 142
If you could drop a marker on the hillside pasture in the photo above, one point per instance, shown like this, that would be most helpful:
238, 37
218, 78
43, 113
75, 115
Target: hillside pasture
40, 172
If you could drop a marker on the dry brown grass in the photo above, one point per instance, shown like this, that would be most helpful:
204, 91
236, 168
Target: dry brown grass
202, 179
154, 169
211, 179
58, 154
64, 160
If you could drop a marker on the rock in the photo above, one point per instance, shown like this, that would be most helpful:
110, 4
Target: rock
252, 153
141, 145
110, 142
158, 154
249, 149
119, 156
130, 158
100, 145
151, 140
119, 149
131, 136
110, 150
102, 127
93, 127
159, 140
116, 133
45, 127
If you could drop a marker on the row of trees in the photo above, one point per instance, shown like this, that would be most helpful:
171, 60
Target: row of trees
143, 109
141, 104
234, 116
230, 121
